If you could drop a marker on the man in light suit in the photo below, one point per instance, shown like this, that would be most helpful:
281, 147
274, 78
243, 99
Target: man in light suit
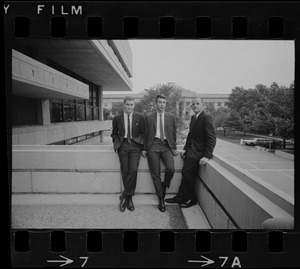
198, 149
128, 139
160, 144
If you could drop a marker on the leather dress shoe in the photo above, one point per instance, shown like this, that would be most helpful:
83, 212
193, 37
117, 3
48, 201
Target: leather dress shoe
130, 205
161, 205
123, 203
174, 200
188, 203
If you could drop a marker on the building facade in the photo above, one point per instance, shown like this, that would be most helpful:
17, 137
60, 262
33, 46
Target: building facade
57, 88
184, 108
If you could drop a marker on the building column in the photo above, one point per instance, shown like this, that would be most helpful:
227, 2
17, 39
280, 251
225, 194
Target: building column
100, 101
44, 112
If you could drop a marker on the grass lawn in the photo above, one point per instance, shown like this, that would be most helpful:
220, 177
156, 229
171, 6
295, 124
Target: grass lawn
233, 137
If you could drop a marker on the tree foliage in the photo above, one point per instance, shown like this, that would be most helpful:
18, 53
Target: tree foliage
117, 108
267, 110
173, 93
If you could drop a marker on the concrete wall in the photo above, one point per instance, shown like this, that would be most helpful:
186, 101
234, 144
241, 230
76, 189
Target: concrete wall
228, 201
42, 135
76, 169
49, 82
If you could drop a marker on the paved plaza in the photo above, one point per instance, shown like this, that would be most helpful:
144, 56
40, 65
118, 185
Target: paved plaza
272, 169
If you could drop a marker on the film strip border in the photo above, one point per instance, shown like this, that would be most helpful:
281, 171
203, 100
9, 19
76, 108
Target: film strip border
178, 19
131, 248
147, 20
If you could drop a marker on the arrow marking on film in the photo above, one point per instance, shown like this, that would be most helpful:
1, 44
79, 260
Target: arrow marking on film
206, 262
65, 261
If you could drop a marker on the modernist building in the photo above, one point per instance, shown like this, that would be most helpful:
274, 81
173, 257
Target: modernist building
57, 88
184, 109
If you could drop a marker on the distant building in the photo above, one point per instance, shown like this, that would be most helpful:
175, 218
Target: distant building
57, 87
218, 100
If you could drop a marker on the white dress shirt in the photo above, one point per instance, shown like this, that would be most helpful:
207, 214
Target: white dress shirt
126, 123
158, 125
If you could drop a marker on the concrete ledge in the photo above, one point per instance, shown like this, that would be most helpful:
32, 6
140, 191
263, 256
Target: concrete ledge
241, 202
29, 136
78, 169
277, 196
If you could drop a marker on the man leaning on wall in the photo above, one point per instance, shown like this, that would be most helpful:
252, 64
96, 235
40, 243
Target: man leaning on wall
160, 144
128, 140
198, 149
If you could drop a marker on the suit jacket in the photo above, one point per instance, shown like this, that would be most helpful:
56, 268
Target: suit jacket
201, 138
118, 130
169, 128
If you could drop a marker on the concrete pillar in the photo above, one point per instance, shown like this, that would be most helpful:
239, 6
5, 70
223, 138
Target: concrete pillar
43, 112
100, 101
46, 112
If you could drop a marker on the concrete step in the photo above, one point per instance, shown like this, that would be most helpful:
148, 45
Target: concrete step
101, 211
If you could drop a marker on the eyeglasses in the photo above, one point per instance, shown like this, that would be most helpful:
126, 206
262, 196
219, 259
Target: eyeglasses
195, 104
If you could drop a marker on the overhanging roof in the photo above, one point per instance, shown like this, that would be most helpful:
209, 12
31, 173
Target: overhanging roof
93, 60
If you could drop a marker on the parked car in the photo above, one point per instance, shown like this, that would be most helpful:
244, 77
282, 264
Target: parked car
257, 141
274, 144
290, 141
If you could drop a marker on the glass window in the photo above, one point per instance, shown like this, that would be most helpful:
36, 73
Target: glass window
89, 113
80, 112
81, 138
56, 111
69, 111
89, 136
71, 141
96, 114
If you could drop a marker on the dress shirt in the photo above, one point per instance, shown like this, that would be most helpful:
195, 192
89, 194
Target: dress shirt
196, 115
126, 123
157, 135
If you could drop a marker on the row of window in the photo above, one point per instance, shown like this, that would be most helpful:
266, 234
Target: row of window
62, 111
77, 139
26, 111
218, 103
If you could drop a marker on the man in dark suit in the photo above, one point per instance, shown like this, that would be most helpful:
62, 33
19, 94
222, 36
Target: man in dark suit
128, 139
160, 144
198, 149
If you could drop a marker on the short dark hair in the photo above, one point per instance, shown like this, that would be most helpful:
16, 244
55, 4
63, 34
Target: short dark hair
129, 98
160, 96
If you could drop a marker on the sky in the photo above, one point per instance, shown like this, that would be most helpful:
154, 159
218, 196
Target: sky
211, 66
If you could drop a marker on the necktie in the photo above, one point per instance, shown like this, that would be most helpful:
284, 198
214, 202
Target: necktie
128, 130
161, 129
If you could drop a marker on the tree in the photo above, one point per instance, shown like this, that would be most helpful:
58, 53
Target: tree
262, 109
233, 122
173, 93
220, 116
106, 113
210, 108
117, 108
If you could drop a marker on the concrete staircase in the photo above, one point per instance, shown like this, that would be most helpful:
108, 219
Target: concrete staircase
87, 175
